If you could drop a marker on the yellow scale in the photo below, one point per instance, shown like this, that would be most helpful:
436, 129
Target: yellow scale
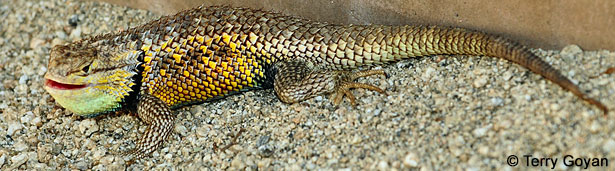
236, 69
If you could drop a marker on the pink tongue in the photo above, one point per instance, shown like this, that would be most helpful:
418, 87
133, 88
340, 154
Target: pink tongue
57, 85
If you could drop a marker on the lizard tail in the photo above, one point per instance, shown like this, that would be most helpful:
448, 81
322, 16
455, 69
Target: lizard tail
387, 44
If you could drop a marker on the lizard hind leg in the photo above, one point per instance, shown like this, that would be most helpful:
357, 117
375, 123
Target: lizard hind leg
298, 80
159, 119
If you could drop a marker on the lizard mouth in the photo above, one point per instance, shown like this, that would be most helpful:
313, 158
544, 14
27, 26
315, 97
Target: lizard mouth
61, 86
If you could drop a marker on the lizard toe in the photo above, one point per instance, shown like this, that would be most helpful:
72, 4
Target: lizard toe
348, 82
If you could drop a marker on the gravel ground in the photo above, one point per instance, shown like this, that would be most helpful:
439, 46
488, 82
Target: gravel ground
442, 112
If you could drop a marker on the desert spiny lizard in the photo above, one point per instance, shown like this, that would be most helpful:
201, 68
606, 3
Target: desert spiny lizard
208, 53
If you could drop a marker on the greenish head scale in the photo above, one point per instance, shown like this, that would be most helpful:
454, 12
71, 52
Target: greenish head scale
88, 81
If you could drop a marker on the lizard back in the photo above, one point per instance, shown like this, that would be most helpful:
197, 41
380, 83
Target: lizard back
210, 52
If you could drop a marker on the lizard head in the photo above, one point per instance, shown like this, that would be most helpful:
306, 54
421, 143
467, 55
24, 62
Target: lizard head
87, 81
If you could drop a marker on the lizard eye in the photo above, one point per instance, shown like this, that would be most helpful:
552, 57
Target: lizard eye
86, 68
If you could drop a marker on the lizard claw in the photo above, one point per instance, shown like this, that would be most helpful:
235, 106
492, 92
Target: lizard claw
347, 82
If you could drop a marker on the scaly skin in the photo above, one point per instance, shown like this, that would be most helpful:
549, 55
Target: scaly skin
208, 53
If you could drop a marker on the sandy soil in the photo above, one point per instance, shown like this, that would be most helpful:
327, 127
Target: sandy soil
441, 112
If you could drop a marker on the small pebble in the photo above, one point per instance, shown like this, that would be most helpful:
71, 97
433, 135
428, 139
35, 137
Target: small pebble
483, 150
57, 41
554, 106
13, 127
356, 139
75, 33
37, 121
73, 21
196, 110
595, 127
107, 160
571, 73
609, 145
202, 132
42, 70
411, 160
19, 159
429, 72
181, 129
35, 43
383, 165
88, 126
26, 118
376, 111
20, 146
496, 101
481, 131
82, 165
61, 34
507, 75
262, 140
265, 150
310, 166
2, 159
480, 82
237, 163
98, 154
571, 50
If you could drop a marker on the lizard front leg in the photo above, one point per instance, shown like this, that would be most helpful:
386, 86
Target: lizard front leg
159, 118
297, 80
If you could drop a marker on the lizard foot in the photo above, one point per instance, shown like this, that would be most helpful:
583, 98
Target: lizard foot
296, 81
346, 82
